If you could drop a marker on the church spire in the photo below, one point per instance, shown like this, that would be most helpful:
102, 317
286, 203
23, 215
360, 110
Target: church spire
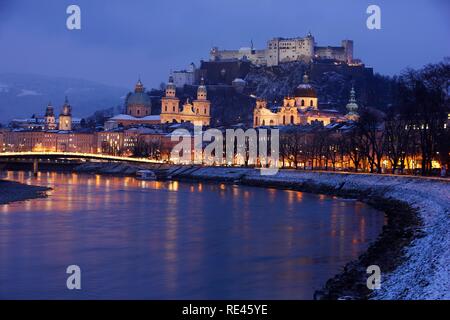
352, 106
170, 88
201, 91
139, 88
305, 78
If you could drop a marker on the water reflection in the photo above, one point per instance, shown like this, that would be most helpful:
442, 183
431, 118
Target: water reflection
171, 240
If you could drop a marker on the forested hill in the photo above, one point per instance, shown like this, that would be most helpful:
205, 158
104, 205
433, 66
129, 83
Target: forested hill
332, 82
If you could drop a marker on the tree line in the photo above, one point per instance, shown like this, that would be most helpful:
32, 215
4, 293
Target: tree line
414, 127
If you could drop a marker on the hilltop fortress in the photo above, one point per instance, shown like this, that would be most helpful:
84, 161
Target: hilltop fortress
280, 50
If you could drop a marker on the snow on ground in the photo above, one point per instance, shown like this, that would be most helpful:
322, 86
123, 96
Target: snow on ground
425, 274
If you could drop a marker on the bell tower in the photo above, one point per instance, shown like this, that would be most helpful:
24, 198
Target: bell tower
352, 107
202, 105
65, 118
170, 104
50, 121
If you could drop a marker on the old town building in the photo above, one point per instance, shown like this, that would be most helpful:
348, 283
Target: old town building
195, 111
138, 109
300, 109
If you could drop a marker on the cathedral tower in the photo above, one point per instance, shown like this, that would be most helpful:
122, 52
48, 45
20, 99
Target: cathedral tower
50, 121
202, 105
170, 104
65, 118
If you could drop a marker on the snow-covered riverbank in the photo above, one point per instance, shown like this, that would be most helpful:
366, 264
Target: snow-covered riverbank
414, 247
424, 271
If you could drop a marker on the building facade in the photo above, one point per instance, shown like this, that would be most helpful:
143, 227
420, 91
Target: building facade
45, 141
257, 57
301, 109
2, 141
195, 111
184, 77
281, 50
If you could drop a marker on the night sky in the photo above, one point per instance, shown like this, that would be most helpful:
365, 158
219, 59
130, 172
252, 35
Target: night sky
121, 39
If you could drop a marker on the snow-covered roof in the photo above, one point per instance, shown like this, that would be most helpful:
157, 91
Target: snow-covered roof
128, 117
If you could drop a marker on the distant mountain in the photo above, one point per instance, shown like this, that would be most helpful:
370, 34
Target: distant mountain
22, 95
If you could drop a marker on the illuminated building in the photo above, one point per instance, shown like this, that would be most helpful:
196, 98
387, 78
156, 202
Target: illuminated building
49, 118
281, 50
65, 118
195, 111
301, 109
138, 109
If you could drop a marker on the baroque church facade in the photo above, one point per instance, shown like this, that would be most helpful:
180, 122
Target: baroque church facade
301, 109
138, 108
196, 111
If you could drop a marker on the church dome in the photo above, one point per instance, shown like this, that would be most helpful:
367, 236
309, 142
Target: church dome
139, 96
305, 89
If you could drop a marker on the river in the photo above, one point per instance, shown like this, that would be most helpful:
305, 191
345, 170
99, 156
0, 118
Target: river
176, 240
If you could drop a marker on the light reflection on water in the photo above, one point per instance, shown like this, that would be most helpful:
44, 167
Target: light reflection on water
171, 240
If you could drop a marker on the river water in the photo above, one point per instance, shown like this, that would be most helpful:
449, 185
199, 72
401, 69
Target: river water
171, 240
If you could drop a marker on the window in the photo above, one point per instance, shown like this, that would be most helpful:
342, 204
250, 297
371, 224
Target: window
303, 103
311, 103
292, 119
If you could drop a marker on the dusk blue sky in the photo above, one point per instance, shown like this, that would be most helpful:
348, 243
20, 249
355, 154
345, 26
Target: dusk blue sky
121, 39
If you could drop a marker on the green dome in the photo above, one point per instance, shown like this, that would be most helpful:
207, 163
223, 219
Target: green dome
140, 98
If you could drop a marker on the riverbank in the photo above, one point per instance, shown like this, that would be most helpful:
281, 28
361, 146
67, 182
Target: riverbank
413, 249
13, 191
